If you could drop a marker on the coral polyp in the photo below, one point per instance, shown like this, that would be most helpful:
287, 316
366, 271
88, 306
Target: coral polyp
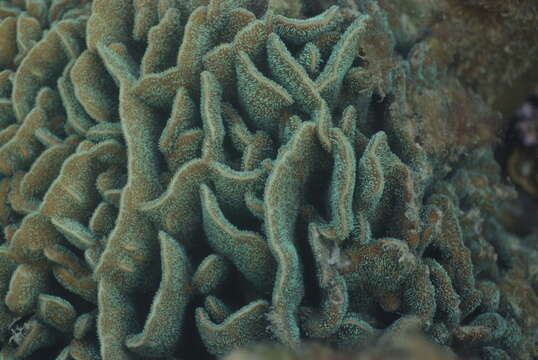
180, 179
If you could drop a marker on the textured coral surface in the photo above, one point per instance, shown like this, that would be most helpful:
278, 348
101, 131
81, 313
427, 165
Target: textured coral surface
490, 44
179, 179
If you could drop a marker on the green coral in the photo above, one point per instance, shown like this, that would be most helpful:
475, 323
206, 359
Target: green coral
185, 178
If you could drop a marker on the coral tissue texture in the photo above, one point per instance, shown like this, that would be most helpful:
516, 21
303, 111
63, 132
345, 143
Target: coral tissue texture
182, 178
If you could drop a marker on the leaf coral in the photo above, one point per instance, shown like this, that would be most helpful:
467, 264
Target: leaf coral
182, 178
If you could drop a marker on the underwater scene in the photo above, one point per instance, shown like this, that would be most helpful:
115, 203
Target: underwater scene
269, 179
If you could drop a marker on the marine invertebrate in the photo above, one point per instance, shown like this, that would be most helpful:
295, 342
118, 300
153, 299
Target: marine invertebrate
254, 180
454, 29
521, 163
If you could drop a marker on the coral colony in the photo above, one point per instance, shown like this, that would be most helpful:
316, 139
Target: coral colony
183, 178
